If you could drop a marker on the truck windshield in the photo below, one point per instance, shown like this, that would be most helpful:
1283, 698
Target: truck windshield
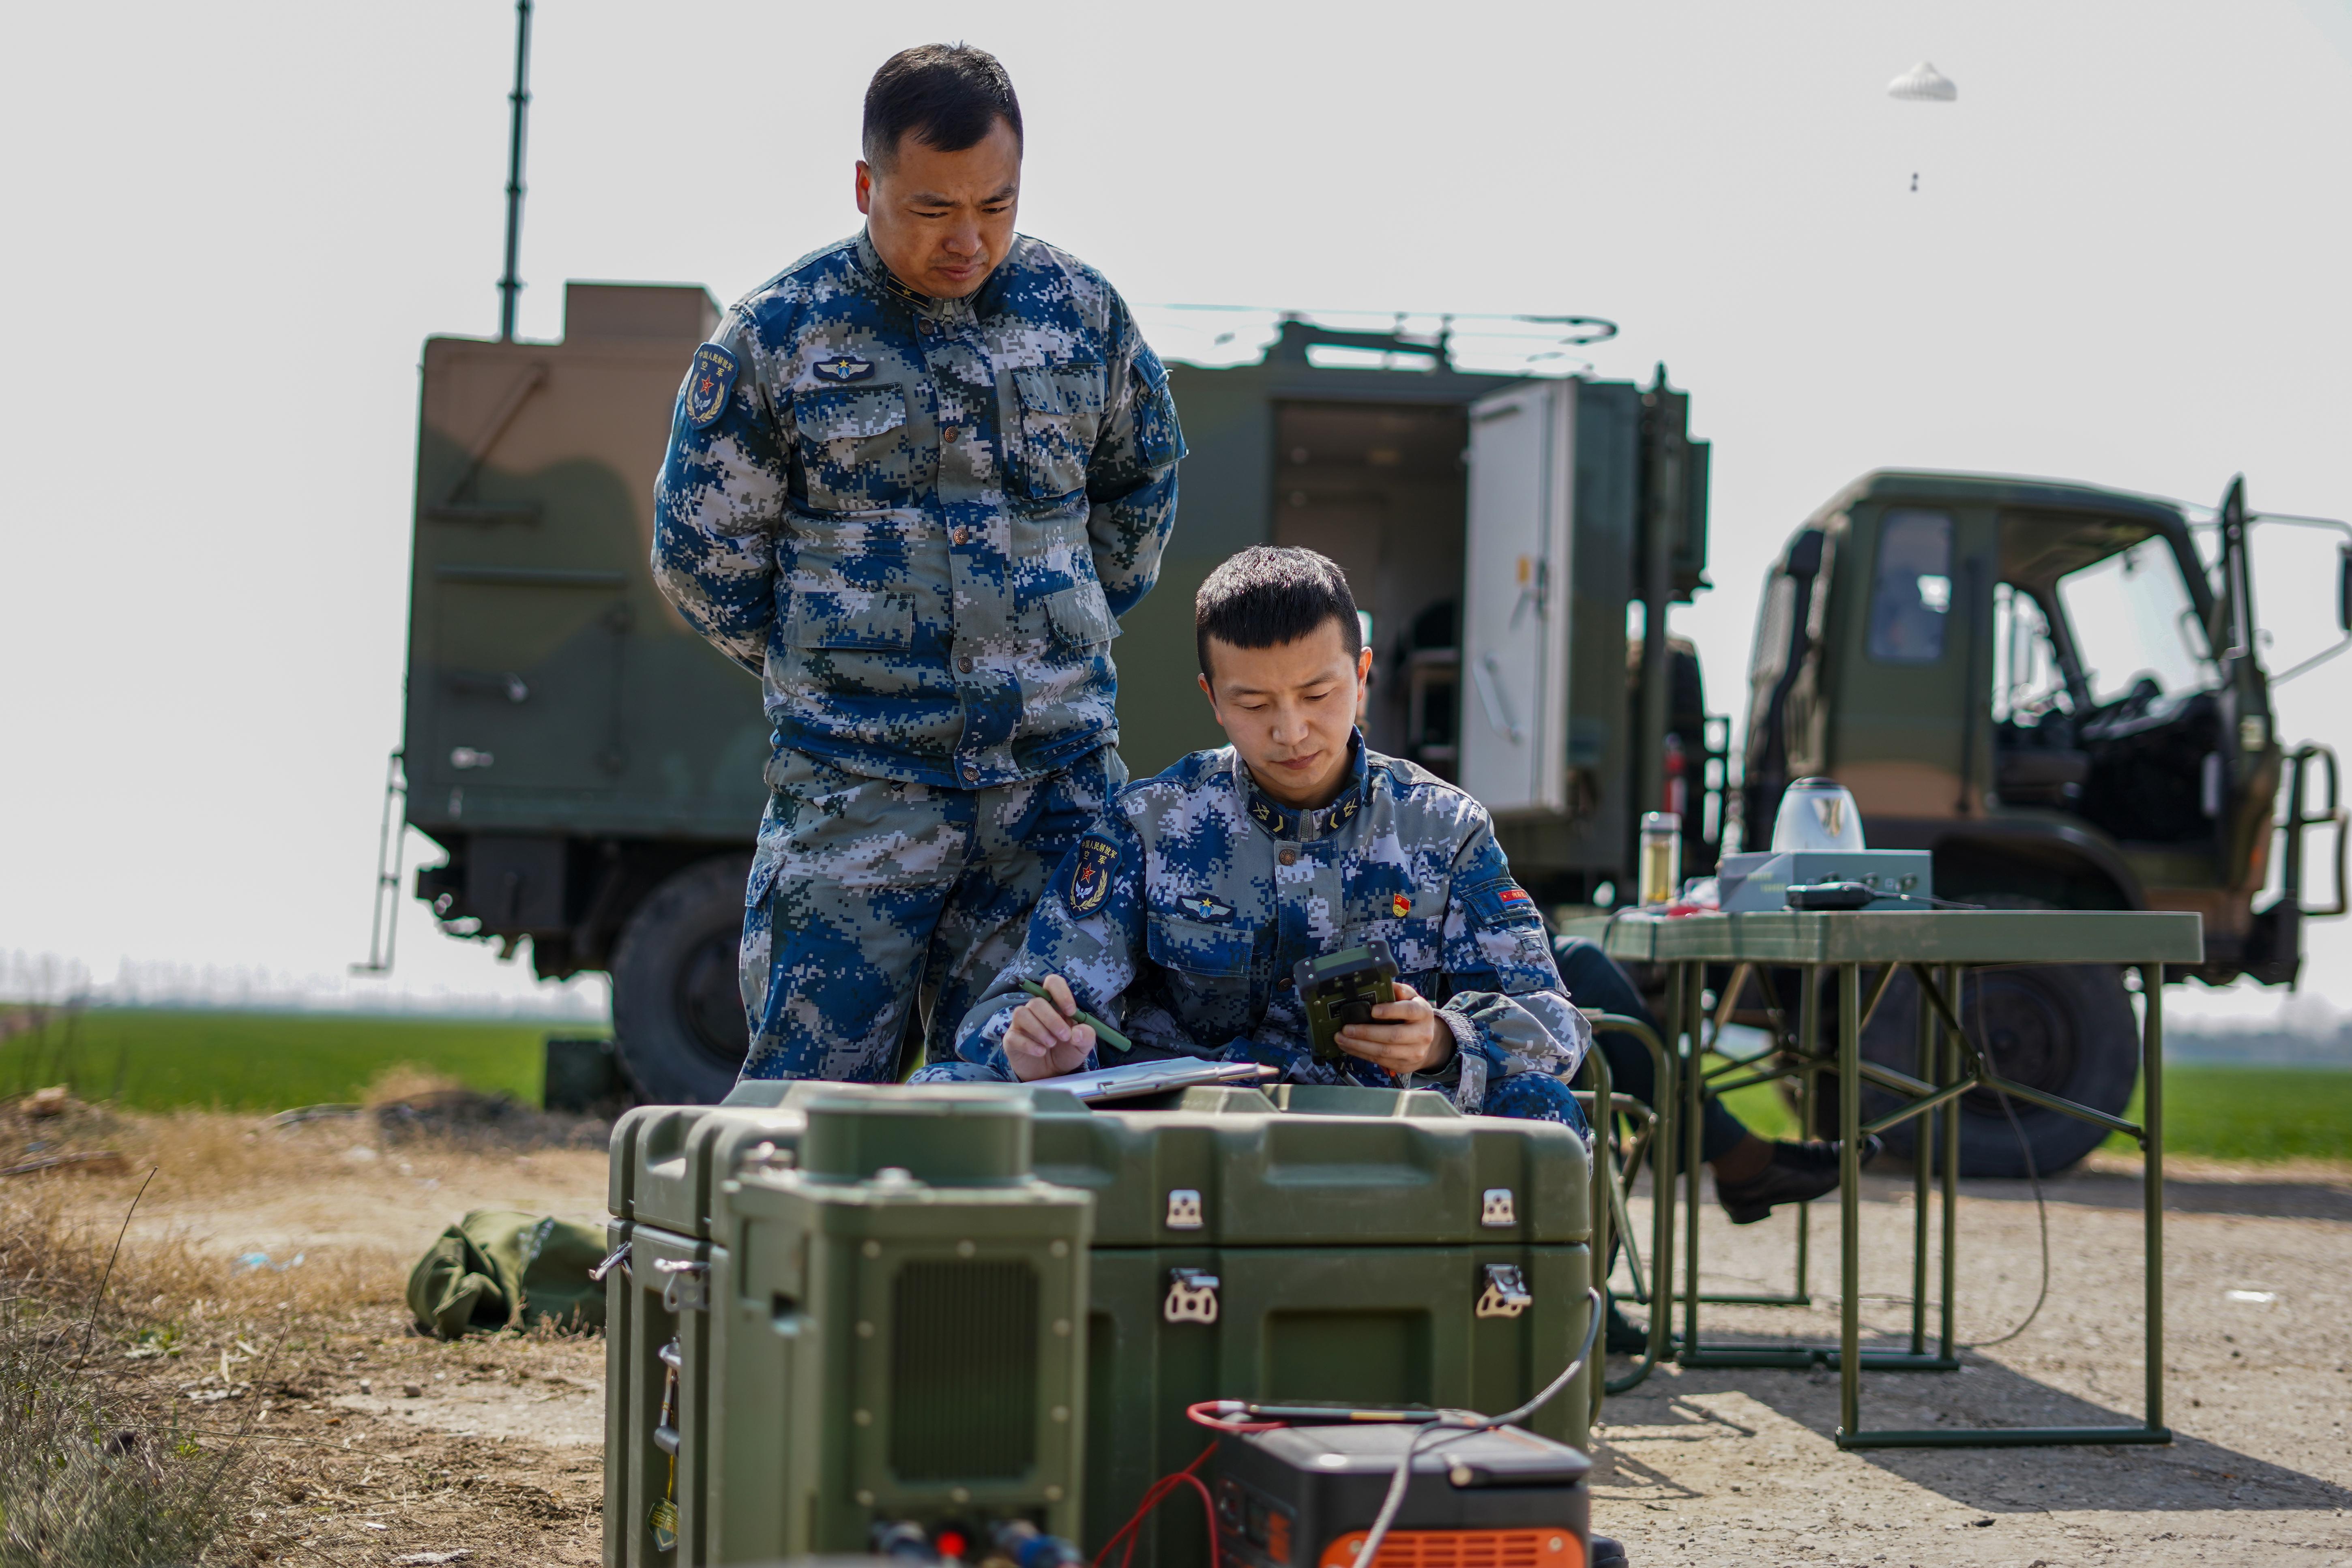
2132, 620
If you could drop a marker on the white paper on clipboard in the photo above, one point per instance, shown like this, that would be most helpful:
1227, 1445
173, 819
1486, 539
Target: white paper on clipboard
1133, 1078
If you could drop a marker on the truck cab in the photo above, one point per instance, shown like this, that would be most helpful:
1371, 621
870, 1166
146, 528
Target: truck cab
2056, 688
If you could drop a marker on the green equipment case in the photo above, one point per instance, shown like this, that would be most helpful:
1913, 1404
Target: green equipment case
1299, 1243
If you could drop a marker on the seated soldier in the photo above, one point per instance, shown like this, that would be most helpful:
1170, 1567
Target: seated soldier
1178, 916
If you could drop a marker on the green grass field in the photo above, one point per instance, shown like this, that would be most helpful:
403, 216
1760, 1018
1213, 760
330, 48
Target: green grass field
157, 1060
2256, 1113
2262, 1114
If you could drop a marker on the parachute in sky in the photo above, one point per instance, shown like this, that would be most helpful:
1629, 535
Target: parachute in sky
1923, 83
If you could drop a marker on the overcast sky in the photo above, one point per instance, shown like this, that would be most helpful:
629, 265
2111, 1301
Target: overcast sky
235, 224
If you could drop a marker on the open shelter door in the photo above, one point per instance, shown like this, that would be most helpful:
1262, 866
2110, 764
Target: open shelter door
1514, 612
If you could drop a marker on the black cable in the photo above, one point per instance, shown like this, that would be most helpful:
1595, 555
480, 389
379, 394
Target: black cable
1464, 1424
2033, 1177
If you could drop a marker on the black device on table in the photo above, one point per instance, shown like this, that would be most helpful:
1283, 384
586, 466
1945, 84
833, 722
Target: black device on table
1815, 896
1342, 988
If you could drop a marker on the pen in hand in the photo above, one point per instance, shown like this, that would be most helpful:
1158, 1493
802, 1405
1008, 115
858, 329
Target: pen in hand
1103, 1032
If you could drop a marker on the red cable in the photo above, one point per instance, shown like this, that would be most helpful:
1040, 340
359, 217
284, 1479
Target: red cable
1156, 1493
1217, 1424
1208, 1508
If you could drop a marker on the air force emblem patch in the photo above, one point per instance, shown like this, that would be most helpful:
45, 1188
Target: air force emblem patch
843, 368
708, 381
1090, 868
1201, 907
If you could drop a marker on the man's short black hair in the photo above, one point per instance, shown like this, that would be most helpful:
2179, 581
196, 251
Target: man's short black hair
1268, 595
948, 95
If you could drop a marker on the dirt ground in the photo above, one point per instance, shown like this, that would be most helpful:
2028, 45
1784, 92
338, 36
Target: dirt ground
379, 1447
1739, 1466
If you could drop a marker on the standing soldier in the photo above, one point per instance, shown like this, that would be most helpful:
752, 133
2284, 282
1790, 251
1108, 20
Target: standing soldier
912, 482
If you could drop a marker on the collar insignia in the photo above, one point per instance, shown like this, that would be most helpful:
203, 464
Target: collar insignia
843, 368
1347, 811
1270, 819
1201, 907
708, 380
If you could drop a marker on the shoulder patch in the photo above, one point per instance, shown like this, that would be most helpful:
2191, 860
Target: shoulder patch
842, 369
1090, 868
708, 382
1502, 904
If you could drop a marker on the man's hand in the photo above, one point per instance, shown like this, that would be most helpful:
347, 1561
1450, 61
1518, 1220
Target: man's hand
1042, 1041
1410, 1041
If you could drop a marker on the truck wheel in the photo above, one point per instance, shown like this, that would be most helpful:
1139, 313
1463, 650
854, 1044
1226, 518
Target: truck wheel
2066, 1029
678, 1010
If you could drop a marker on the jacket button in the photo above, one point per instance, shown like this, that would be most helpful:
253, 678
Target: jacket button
929, 326
1288, 857
952, 432
964, 664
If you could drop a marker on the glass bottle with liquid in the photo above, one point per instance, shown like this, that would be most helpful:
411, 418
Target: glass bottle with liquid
1661, 857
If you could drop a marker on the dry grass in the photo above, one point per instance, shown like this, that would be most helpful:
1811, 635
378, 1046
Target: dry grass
269, 1406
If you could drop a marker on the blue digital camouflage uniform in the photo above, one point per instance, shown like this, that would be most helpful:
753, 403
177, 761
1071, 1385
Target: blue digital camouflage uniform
918, 520
1178, 917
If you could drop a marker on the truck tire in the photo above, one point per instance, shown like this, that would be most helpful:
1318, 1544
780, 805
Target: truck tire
2066, 1029
678, 1009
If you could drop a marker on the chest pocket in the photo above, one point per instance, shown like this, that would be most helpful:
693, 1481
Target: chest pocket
1417, 945
1057, 415
1207, 968
854, 448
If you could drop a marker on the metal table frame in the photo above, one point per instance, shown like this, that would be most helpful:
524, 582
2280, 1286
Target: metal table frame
1934, 948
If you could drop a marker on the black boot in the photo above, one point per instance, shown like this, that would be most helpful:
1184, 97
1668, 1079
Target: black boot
1621, 1336
1797, 1171
1607, 1552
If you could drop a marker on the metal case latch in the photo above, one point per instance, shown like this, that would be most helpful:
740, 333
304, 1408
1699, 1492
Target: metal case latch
686, 1291
1184, 1209
1192, 1297
1506, 1295
1495, 1210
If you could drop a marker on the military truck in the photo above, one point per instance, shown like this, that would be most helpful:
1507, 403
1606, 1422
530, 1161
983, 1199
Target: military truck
2058, 690
592, 768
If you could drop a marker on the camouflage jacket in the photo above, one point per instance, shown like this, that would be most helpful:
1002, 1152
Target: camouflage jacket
918, 519
1178, 917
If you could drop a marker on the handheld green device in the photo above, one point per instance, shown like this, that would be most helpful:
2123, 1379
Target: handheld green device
1341, 988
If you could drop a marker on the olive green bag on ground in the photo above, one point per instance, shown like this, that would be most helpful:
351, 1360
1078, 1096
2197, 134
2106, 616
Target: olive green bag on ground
497, 1269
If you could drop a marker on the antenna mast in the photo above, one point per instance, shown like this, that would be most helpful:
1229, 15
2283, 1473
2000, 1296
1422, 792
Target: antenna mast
510, 285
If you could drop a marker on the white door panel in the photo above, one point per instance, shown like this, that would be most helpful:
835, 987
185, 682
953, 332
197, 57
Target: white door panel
1515, 611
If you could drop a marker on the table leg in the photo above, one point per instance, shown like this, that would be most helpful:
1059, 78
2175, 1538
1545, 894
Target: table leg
1683, 987
1948, 1126
1848, 984
2151, 986
1807, 1125
1923, 1162
2153, 1430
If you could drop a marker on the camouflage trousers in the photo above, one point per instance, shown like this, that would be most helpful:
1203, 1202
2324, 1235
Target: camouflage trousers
868, 895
